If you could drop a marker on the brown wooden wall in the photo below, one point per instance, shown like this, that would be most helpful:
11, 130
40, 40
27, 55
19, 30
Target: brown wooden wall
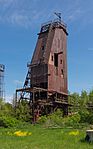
58, 75
51, 45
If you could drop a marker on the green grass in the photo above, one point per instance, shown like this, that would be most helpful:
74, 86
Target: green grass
42, 138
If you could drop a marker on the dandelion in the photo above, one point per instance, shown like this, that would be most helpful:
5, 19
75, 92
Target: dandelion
74, 133
20, 133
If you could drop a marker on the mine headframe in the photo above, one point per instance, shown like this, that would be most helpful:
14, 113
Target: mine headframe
45, 86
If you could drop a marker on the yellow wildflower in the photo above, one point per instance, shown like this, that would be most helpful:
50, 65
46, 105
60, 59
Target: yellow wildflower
74, 133
20, 133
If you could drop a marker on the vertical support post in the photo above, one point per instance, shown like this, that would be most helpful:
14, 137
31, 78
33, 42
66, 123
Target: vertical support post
15, 99
33, 107
30, 104
67, 106
66, 110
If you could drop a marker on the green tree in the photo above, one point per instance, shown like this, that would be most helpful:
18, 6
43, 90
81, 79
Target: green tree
84, 98
23, 111
73, 100
90, 102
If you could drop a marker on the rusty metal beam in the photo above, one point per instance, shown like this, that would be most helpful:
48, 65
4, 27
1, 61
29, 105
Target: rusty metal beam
35, 89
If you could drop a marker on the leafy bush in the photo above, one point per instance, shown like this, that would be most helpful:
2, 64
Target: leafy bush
52, 120
84, 116
23, 111
56, 120
7, 121
90, 118
72, 121
42, 119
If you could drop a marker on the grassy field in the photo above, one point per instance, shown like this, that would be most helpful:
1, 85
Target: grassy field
42, 138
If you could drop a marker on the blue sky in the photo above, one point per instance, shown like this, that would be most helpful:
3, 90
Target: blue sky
20, 22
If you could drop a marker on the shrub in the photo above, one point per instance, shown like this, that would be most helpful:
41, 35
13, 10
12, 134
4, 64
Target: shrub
90, 118
56, 120
84, 116
6, 121
42, 119
23, 112
52, 120
72, 121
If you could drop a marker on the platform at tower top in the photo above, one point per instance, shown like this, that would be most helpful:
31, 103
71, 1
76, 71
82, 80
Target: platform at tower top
54, 23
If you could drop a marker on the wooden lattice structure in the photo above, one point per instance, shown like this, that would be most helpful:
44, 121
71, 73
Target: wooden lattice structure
46, 82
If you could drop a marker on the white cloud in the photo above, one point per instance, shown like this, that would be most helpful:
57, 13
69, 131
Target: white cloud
29, 12
16, 12
19, 19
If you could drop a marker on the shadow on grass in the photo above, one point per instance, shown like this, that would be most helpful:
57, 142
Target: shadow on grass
86, 140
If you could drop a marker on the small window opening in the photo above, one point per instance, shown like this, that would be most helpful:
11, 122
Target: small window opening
62, 72
61, 61
52, 58
56, 60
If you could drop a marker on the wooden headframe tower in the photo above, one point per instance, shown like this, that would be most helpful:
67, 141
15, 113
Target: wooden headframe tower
46, 82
